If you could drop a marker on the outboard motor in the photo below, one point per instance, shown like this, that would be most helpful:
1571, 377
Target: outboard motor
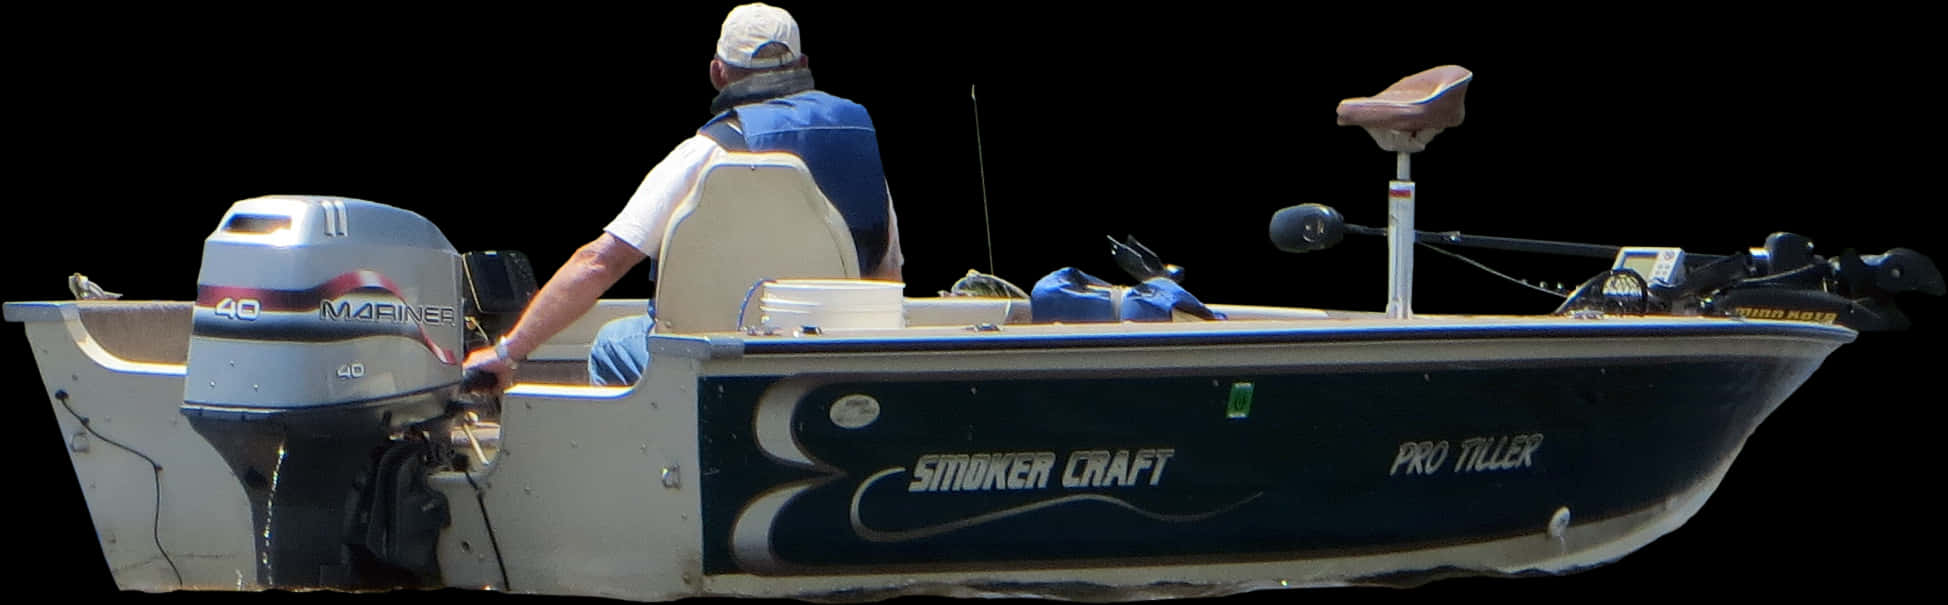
327, 340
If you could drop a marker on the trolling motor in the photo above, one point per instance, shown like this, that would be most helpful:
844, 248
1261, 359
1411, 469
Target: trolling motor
1785, 280
325, 368
1781, 280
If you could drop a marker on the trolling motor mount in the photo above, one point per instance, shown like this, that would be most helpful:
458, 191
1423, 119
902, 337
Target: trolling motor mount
1781, 280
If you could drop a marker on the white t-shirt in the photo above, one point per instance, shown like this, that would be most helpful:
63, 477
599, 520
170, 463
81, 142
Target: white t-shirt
646, 217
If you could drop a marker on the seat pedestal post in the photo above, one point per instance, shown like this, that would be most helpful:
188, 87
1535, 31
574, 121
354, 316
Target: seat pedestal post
1403, 119
1400, 239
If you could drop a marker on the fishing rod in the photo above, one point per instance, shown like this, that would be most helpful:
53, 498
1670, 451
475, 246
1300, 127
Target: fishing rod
980, 156
1310, 227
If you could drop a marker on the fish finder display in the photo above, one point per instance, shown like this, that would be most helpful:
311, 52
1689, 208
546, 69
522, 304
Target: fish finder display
1657, 265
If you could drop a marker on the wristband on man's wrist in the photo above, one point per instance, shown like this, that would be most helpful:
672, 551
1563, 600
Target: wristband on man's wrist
500, 351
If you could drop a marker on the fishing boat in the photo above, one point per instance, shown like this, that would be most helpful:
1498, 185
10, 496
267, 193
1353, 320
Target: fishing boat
303, 424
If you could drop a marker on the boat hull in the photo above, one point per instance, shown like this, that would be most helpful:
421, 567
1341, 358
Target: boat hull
1116, 461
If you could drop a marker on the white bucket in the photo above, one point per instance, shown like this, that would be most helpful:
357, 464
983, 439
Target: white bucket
833, 304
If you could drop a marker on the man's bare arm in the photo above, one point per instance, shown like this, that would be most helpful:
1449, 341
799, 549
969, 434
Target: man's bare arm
569, 294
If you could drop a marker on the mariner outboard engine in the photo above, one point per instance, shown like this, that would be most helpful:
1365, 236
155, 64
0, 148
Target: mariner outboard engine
327, 339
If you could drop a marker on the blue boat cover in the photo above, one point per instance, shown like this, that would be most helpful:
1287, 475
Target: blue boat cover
1069, 295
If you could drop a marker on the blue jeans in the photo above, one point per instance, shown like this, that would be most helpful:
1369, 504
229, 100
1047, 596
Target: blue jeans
620, 354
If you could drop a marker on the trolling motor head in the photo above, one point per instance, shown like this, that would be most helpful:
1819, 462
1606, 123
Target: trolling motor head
1896, 271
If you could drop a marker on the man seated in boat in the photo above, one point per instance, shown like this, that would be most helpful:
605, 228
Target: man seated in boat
766, 102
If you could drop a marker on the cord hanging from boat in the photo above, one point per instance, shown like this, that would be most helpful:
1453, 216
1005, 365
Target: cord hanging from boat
480, 498
1524, 283
155, 524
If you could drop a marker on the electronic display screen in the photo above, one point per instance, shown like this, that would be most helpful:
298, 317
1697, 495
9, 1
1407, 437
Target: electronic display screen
1641, 263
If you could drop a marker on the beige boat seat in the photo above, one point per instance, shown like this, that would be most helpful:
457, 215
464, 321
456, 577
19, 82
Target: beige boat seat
755, 216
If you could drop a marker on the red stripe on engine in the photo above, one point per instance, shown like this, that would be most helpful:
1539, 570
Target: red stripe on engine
309, 299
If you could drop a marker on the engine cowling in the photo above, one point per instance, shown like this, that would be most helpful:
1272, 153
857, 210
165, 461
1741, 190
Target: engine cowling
308, 302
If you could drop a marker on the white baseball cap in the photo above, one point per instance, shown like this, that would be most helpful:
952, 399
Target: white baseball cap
751, 27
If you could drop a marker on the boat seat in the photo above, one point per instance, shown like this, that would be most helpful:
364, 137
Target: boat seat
754, 216
140, 331
1408, 114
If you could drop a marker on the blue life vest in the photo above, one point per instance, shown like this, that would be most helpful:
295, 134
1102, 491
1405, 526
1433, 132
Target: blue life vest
836, 140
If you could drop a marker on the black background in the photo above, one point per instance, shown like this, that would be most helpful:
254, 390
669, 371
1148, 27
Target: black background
1186, 126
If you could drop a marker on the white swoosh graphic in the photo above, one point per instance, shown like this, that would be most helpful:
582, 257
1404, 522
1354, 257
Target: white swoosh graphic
751, 534
874, 535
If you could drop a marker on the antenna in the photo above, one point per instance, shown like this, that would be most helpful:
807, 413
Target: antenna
981, 157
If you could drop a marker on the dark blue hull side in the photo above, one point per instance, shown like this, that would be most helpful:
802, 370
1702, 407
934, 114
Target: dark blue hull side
1020, 469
